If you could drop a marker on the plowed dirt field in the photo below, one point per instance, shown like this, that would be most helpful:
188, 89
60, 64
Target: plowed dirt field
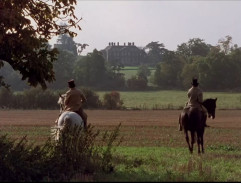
139, 128
224, 118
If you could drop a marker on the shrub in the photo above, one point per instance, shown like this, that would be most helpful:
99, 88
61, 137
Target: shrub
137, 83
20, 161
93, 100
78, 151
112, 100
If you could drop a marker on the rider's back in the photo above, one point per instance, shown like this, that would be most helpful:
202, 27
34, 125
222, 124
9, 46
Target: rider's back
195, 96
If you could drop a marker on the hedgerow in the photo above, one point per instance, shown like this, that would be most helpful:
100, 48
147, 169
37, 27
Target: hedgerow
79, 151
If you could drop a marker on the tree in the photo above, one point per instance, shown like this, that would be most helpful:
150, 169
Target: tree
194, 47
63, 69
155, 51
91, 71
143, 70
225, 45
26, 26
167, 74
65, 42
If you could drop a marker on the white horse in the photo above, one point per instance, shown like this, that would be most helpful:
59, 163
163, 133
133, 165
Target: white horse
65, 118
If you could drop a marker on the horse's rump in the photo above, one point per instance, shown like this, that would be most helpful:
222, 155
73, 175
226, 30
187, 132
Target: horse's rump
196, 118
192, 119
70, 118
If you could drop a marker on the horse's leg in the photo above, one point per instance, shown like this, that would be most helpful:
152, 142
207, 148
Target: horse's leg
187, 139
180, 123
193, 140
199, 142
202, 141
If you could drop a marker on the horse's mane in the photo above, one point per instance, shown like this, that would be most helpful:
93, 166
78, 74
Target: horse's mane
61, 99
209, 101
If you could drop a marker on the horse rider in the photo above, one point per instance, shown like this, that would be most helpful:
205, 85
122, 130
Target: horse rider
195, 99
74, 100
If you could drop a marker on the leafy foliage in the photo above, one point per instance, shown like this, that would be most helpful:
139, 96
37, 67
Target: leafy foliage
155, 52
77, 152
137, 83
112, 100
26, 26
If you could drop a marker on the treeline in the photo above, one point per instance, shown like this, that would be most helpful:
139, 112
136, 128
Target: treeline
37, 98
217, 68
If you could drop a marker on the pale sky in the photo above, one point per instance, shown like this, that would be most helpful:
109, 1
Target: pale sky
169, 22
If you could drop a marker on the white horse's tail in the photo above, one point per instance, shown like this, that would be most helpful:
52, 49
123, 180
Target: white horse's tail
55, 132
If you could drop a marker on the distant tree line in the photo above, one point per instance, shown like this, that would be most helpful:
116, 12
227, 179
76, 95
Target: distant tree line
216, 67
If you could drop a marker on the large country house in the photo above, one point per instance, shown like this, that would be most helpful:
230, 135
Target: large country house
127, 54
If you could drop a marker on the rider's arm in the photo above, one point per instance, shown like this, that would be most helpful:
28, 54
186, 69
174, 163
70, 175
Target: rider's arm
66, 100
84, 100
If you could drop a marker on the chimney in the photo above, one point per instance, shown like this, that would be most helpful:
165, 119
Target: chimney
117, 43
133, 44
109, 43
124, 44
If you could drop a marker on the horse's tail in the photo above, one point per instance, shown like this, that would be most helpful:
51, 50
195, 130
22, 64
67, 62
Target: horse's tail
67, 120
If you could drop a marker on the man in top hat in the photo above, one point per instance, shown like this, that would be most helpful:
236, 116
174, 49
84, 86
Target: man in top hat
195, 99
74, 100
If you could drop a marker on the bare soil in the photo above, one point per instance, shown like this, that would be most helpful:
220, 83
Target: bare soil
224, 118
138, 128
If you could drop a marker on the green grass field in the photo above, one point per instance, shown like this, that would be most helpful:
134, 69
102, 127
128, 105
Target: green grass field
132, 71
160, 164
165, 158
170, 99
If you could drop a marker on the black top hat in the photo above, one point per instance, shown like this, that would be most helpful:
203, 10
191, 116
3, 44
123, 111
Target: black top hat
194, 82
71, 83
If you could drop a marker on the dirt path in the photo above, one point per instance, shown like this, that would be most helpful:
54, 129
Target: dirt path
224, 118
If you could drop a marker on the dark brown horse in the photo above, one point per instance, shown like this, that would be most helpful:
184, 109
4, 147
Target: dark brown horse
194, 120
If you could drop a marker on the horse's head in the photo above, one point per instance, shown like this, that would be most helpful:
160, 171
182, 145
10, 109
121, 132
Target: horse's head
61, 102
210, 105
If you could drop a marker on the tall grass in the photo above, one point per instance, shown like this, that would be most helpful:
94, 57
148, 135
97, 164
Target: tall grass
78, 152
171, 99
